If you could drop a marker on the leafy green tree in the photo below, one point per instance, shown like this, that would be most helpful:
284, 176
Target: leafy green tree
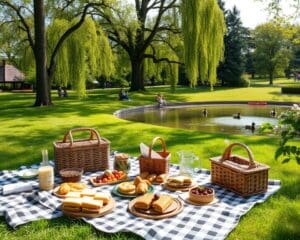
21, 13
272, 53
231, 69
203, 28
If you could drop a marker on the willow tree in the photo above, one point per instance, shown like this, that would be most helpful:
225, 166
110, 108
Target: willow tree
20, 12
203, 27
89, 50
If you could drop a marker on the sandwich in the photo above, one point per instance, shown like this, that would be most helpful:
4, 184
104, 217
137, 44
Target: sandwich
163, 202
104, 197
144, 202
71, 209
72, 202
91, 203
179, 181
73, 195
88, 193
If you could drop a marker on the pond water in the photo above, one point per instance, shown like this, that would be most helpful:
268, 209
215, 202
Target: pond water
219, 117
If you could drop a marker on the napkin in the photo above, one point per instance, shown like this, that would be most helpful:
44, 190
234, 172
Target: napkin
145, 152
16, 188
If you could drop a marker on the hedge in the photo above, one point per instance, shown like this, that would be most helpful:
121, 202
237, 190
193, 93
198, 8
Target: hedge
290, 89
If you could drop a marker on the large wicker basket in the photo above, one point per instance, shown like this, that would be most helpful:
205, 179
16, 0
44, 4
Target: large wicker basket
89, 154
156, 165
238, 174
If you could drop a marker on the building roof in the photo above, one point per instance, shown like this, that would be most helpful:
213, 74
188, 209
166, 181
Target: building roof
9, 73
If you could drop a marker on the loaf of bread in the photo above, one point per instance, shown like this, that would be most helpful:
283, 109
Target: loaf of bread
144, 202
163, 202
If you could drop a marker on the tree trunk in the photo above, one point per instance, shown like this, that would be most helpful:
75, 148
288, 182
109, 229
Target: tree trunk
137, 75
271, 78
43, 96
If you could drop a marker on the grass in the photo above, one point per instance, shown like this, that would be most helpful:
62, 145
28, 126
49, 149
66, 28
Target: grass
25, 130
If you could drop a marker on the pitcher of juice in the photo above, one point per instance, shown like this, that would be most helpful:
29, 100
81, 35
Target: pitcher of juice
188, 161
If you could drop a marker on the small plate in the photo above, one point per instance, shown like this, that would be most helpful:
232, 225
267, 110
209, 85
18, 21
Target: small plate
28, 173
185, 197
95, 184
117, 193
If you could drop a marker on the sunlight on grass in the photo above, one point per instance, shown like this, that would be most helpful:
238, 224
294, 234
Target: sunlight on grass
25, 130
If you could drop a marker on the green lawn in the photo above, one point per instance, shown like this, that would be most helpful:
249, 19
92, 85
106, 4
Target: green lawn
25, 130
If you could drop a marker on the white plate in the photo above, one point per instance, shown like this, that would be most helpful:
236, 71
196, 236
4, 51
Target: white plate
28, 173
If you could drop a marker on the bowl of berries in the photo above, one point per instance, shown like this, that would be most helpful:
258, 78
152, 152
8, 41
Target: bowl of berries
201, 194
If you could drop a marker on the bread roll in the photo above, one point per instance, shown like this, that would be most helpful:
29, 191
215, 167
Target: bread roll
137, 180
151, 177
144, 175
72, 202
161, 178
144, 202
142, 188
105, 197
162, 203
64, 189
91, 203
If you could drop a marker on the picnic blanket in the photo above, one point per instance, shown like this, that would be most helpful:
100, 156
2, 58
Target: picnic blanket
214, 221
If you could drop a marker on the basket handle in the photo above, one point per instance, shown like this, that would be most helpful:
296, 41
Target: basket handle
163, 143
93, 133
227, 153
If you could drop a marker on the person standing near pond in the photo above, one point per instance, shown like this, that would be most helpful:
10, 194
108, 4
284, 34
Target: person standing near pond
204, 112
160, 100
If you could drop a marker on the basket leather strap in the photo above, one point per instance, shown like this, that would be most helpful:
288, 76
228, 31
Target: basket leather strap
227, 153
92, 131
163, 143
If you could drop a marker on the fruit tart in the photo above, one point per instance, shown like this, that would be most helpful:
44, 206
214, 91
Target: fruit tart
201, 194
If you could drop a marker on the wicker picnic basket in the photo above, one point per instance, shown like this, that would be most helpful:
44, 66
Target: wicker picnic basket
155, 165
89, 154
238, 174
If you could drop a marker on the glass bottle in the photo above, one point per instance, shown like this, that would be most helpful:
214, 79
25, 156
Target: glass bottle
46, 173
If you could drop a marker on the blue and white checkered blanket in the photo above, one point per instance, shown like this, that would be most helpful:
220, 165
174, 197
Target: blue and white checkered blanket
214, 221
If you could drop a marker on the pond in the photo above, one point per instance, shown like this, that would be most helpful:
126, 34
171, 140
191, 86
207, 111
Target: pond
219, 118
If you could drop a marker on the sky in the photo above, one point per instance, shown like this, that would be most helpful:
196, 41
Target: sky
252, 12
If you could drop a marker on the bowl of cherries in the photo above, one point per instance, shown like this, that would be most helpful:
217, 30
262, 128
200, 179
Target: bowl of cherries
201, 194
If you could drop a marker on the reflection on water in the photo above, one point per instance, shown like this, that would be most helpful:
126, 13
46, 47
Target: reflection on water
219, 117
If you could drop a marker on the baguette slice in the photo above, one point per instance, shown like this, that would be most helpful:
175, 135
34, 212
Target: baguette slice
144, 202
91, 203
72, 202
105, 197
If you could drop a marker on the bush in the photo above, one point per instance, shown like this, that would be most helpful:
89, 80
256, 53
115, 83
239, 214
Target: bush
290, 89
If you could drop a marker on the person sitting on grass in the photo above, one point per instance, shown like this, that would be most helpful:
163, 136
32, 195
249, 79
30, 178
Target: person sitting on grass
237, 116
123, 96
160, 100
